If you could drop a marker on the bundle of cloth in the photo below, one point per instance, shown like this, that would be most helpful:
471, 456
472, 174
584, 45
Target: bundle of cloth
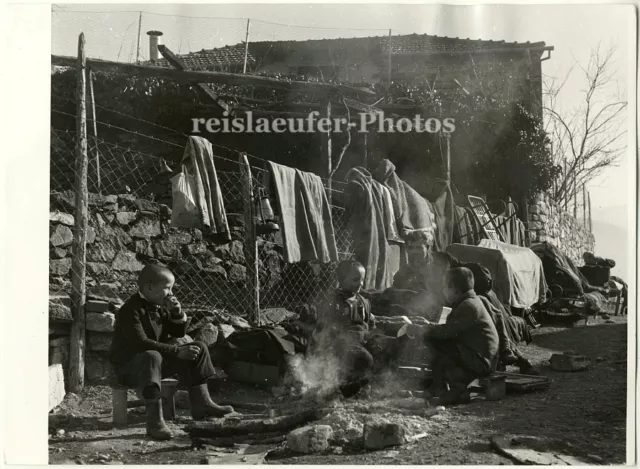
597, 270
561, 271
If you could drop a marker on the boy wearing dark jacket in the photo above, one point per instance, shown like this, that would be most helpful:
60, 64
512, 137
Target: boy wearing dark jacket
343, 323
466, 346
141, 355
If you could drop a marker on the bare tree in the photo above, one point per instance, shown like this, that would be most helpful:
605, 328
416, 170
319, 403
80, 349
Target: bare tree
588, 138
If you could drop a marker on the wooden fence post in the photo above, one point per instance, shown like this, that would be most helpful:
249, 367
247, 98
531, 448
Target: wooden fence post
250, 240
78, 264
91, 107
325, 146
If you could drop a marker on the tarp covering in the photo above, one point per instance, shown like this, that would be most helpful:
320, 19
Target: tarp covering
518, 277
560, 270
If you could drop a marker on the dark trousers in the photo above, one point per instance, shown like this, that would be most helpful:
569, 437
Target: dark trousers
146, 370
448, 366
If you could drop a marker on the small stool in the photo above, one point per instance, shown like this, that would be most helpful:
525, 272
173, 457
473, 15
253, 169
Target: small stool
493, 386
119, 402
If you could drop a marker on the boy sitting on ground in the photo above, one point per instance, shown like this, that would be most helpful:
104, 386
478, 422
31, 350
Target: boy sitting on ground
466, 346
343, 323
141, 355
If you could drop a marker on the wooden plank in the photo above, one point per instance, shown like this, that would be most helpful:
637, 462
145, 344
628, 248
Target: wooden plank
178, 64
213, 77
79, 255
250, 240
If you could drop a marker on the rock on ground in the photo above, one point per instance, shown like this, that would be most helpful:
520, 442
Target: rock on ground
380, 434
310, 439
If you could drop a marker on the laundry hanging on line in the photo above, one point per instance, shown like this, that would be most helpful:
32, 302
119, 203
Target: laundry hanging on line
197, 198
307, 225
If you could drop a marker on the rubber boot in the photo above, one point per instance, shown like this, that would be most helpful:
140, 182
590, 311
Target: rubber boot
156, 427
507, 357
202, 406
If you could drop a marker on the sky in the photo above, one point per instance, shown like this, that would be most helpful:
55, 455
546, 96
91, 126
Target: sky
111, 33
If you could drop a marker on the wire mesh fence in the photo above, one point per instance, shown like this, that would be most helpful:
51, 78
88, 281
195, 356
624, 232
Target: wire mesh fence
129, 226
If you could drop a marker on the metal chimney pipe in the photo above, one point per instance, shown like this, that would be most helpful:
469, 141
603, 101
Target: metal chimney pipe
154, 40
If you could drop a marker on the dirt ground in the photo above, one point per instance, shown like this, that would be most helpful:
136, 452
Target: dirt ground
586, 410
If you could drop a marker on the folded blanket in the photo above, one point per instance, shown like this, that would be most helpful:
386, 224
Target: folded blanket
197, 164
307, 226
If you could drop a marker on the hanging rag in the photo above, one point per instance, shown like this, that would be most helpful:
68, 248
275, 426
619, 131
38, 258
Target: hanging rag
200, 171
307, 226
366, 202
413, 212
444, 210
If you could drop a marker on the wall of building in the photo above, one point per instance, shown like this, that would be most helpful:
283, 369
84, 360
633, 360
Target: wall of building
549, 222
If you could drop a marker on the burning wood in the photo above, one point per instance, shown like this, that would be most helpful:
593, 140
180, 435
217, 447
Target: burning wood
226, 427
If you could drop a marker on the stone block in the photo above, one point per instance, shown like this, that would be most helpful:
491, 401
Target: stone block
226, 330
124, 218
534, 209
100, 341
97, 268
165, 249
237, 273
310, 439
126, 261
146, 228
127, 200
197, 248
58, 253
569, 362
147, 206
56, 386
65, 201
100, 322
60, 266
62, 218
207, 334
101, 252
61, 236
97, 306
104, 292
179, 237
91, 235
380, 434
143, 247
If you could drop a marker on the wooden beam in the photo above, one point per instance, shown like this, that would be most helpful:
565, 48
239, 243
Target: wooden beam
213, 77
250, 240
78, 249
178, 64
325, 148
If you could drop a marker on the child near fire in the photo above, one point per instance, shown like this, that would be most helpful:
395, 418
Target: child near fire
342, 327
141, 354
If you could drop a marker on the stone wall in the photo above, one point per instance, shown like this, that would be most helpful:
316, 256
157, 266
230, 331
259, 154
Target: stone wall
124, 234
549, 222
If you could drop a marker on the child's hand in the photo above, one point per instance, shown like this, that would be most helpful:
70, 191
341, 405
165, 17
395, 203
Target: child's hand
188, 352
173, 306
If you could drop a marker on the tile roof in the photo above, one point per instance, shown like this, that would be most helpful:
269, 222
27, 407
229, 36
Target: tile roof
209, 59
417, 43
404, 44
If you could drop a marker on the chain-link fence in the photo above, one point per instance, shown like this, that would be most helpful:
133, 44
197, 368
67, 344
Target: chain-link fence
129, 225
